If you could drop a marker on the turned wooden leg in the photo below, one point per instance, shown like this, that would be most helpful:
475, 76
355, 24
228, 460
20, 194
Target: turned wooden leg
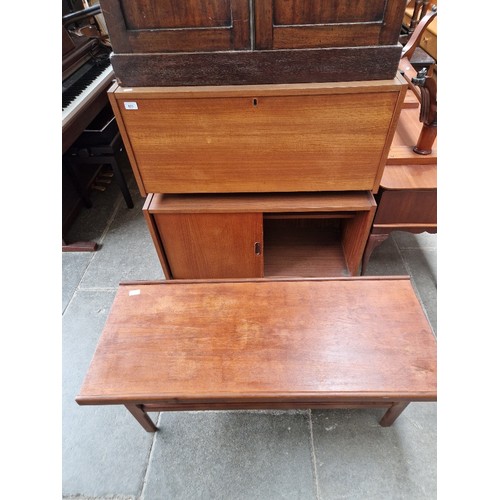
373, 242
426, 140
393, 413
142, 417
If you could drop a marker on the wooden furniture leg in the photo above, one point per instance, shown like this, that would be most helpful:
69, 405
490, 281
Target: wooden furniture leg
122, 183
77, 184
428, 112
393, 413
142, 417
426, 139
374, 241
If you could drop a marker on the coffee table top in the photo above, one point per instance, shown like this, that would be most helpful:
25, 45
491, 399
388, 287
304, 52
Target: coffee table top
243, 341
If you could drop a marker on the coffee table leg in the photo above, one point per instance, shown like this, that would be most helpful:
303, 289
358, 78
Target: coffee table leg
393, 413
142, 417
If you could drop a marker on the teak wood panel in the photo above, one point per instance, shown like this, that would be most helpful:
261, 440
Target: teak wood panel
325, 139
411, 206
145, 26
409, 177
212, 245
284, 24
295, 342
303, 247
355, 233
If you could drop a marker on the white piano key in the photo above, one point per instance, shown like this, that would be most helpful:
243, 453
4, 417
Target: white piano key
99, 84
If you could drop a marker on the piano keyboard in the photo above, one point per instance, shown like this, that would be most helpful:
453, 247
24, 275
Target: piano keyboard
79, 89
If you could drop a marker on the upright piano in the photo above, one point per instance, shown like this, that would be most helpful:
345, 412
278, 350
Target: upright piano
86, 76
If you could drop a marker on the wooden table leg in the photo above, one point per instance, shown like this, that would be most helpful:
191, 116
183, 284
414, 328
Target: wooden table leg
393, 413
142, 417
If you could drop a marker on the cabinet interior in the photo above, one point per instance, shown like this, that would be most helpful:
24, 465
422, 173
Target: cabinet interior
306, 245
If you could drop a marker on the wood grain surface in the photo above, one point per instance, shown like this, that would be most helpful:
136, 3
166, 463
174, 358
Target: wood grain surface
262, 202
285, 24
336, 64
260, 143
212, 245
285, 340
409, 177
145, 26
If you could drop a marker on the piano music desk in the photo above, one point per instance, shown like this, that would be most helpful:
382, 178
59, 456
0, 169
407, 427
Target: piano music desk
257, 344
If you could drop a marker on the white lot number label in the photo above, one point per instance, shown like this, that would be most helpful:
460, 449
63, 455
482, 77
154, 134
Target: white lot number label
130, 105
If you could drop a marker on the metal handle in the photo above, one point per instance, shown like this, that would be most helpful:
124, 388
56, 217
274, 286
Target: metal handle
257, 248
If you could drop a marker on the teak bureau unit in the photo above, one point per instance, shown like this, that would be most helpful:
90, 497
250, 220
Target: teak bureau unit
260, 138
220, 42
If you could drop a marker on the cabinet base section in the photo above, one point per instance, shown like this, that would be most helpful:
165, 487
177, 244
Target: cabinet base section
260, 236
338, 64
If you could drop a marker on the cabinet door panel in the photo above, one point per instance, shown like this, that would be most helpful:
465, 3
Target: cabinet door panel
285, 24
212, 245
172, 26
326, 11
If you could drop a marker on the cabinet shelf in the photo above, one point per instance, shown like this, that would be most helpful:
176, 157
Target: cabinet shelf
304, 247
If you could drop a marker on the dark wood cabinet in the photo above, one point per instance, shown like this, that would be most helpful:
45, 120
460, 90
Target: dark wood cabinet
212, 42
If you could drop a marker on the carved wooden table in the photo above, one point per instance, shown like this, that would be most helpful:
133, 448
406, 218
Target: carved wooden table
258, 344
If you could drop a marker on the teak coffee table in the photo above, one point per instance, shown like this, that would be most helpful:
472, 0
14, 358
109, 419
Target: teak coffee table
259, 344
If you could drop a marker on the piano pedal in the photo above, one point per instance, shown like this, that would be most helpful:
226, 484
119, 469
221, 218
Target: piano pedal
96, 187
107, 174
103, 181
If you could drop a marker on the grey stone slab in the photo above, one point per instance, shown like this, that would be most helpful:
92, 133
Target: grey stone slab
74, 265
422, 265
107, 497
386, 260
127, 252
357, 458
405, 239
235, 455
91, 223
104, 450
